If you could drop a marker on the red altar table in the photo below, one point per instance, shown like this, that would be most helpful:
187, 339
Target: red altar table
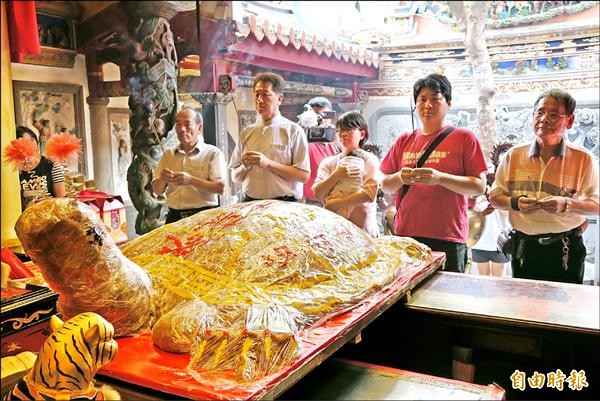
140, 363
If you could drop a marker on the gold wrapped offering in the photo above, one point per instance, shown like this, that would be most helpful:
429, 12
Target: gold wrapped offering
236, 286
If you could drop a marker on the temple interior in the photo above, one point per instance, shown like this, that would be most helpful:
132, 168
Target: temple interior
114, 74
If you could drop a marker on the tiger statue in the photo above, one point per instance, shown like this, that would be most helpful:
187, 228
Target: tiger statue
68, 360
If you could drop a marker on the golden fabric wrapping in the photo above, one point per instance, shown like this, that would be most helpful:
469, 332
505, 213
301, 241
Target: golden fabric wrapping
80, 261
270, 269
238, 286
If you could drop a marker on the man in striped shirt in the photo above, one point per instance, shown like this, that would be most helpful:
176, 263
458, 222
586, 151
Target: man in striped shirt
548, 186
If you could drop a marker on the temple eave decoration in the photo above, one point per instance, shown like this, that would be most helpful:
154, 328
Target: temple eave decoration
298, 39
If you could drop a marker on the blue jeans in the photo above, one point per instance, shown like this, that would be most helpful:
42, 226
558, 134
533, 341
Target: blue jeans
456, 253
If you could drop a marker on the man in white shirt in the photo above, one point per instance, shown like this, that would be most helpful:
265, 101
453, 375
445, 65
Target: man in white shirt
270, 160
193, 173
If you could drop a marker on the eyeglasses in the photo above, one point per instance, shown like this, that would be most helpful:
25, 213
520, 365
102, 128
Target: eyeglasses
551, 116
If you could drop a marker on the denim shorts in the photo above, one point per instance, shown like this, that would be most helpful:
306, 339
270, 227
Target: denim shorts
479, 256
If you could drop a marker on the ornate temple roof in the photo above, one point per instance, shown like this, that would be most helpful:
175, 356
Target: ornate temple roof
276, 33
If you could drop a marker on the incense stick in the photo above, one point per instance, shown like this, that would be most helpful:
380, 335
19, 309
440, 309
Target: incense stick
162, 148
533, 187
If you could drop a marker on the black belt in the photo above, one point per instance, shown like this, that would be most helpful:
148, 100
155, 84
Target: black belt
287, 198
550, 238
189, 212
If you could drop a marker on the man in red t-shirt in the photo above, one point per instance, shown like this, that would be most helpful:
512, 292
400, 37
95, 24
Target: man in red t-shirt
434, 210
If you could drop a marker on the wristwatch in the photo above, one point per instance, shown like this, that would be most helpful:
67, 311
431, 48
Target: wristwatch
568, 204
514, 202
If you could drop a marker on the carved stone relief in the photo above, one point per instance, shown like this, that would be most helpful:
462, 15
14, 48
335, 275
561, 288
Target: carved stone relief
514, 125
152, 77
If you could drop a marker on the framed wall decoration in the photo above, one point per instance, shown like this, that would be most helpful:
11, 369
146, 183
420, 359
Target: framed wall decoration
120, 139
49, 108
56, 32
58, 22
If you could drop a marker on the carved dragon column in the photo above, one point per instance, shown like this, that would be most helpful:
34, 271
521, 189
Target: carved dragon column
152, 78
214, 113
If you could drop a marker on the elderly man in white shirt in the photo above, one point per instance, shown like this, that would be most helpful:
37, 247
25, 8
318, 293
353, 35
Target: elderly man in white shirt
270, 160
193, 173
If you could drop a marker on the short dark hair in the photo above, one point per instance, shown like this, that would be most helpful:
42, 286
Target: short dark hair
437, 83
275, 79
24, 130
320, 101
351, 120
563, 97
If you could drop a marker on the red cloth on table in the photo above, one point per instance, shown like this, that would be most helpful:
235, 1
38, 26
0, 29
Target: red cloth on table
22, 29
17, 268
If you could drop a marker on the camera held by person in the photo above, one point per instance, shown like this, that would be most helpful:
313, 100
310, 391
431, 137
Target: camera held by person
318, 120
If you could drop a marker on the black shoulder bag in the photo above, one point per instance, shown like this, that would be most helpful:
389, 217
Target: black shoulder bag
424, 157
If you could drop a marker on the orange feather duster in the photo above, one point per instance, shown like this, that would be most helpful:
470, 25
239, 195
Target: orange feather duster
19, 151
62, 148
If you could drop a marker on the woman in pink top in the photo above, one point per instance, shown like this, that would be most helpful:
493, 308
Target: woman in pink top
353, 133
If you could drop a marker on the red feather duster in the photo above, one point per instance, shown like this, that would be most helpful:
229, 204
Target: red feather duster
19, 151
62, 148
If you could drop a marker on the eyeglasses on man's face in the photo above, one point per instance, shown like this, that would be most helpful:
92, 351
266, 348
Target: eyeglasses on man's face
550, 115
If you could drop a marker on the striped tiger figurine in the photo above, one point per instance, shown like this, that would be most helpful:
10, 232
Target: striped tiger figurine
68, 360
